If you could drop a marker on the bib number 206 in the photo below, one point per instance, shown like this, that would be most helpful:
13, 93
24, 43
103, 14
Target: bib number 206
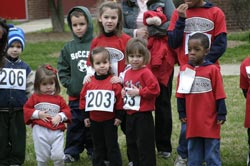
13, 78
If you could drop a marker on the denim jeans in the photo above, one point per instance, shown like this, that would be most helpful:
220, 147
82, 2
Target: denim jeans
183, 145
202, 150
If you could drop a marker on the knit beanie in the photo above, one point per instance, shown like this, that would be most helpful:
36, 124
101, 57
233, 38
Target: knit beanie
16, 34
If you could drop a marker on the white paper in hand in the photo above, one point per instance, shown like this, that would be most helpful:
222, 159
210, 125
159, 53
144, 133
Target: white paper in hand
186, 81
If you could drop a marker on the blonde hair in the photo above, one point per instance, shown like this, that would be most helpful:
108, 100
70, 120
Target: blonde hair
46, 73
138, 46
114, 6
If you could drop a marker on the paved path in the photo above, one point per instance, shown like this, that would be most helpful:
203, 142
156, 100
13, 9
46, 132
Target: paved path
36, 25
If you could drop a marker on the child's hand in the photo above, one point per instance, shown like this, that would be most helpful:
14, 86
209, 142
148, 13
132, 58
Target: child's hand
221, 122
87, 122
142, 32
117, 122
86, 79
182, 10
183, 120
115, 80
44, 116
134, 91
56, 120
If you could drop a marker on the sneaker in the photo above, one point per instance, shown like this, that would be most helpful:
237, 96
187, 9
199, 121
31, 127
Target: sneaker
69, 159
248, 162
106, 163
130, 163
164, 154
180, 161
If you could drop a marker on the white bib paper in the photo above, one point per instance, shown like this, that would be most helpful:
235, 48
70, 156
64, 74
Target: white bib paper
13, 78
100, 100
131, 103
186, 81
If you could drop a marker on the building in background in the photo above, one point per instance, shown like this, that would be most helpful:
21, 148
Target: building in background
39, 9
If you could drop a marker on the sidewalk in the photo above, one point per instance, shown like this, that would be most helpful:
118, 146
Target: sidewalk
36, 25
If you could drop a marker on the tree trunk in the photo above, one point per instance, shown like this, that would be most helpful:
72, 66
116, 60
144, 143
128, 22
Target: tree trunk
57, 15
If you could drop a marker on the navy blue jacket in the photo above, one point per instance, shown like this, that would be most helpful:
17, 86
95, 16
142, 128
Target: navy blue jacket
14, 98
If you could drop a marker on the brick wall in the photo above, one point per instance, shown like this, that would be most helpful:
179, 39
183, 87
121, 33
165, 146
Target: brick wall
37, 9
223, 4
231, 19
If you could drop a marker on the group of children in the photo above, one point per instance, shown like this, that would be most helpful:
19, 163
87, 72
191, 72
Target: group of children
109, 84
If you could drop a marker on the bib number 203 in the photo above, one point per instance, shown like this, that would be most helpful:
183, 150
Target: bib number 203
101, 100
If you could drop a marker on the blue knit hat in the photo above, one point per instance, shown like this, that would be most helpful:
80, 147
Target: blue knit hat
16, 34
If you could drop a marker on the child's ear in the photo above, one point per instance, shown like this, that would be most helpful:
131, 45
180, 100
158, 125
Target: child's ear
99, 19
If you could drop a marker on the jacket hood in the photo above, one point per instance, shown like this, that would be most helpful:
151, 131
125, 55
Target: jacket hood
208, 5
88, 36
205, 63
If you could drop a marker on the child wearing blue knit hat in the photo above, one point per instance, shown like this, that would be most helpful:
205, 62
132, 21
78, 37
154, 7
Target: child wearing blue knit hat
16, 34
16, 82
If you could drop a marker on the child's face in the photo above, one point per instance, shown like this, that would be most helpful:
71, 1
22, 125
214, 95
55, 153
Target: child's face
48, 87
79, 25
109, 19
15, 49
194, 3
196, 52
100, 64
136, 61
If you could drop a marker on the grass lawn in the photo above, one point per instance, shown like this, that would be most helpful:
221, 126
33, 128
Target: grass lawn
233, 135
234, 138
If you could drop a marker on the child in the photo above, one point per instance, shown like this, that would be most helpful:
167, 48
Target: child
102, 102
201, 103
196, 16
140, 91
71, 70
16, 86
111, 36
110, 22
244, 85
47, 111
161, 63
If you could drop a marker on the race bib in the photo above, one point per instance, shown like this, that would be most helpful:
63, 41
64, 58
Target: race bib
100, 100
13, 79
131, 103
186, 81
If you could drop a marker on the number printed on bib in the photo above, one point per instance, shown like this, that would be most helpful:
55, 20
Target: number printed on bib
132, 103
100, 100
13, 79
